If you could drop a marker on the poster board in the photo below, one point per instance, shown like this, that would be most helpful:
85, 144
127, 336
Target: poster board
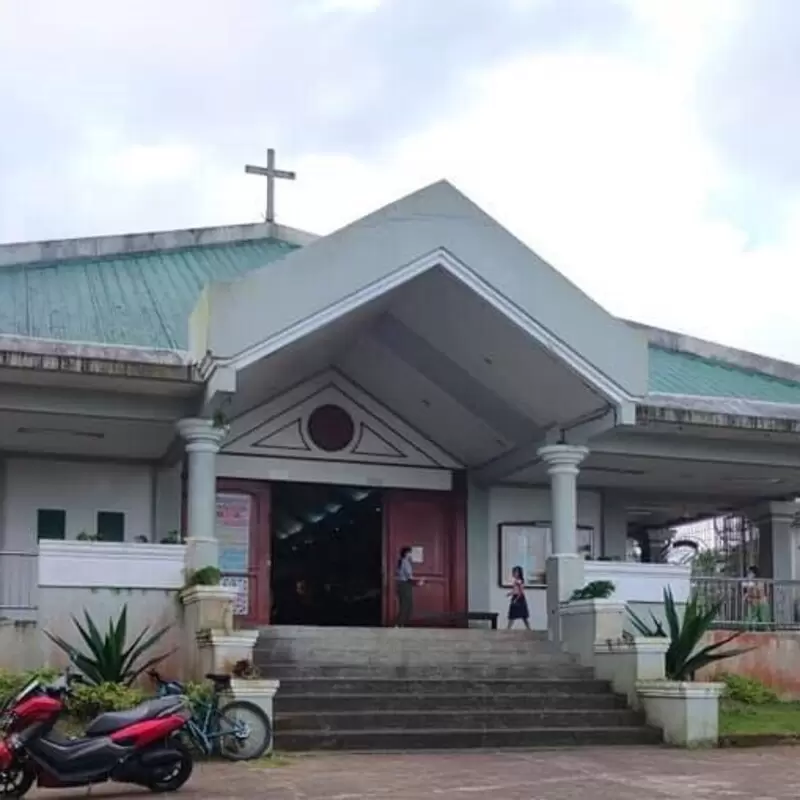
529, 544
523, 544
233, 531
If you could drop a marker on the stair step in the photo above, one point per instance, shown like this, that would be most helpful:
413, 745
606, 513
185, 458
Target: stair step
420, 672
290, 703
335, 721
399, 686
318, 633
464, 738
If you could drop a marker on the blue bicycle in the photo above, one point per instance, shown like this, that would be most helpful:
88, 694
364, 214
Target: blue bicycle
237, 731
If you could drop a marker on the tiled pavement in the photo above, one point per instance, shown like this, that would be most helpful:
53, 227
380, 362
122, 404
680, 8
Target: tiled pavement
589, 774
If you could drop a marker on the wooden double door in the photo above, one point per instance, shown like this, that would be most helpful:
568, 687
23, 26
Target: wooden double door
431, 523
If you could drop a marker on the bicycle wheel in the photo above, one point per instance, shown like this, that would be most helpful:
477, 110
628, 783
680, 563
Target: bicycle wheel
245, 732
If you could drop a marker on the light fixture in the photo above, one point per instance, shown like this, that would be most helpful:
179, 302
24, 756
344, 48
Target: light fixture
760, 480
614, 470
62, 432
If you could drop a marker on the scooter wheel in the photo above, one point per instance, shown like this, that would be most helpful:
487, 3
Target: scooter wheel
171, 779
17, 780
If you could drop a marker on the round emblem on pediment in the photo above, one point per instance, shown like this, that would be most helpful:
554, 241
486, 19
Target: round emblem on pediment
331, 428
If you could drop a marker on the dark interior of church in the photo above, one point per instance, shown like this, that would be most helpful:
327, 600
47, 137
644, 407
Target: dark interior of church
326, 555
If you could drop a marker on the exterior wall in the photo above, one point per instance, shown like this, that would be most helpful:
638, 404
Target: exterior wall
168, 490
152, 608
507, 504
774, 659
100, 578
615, 528
81, 489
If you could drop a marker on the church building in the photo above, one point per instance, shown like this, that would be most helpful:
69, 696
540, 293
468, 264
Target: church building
298, 409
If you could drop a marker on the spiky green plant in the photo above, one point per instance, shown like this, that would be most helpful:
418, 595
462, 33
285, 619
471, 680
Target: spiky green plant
595, 590
685, 655
107, 658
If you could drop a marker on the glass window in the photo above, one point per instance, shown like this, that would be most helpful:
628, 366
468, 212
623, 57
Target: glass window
110, 526
51, 523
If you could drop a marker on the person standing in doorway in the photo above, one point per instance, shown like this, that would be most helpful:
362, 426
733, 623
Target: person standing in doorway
404, 584
518, 605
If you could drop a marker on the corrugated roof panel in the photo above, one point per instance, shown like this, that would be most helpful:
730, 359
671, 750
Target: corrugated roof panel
143, 299
674, 372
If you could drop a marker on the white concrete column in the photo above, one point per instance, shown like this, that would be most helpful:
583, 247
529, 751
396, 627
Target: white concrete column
203, 440
776, 546
562, 462
564, 566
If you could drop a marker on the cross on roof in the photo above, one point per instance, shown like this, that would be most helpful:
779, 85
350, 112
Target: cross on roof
271, 173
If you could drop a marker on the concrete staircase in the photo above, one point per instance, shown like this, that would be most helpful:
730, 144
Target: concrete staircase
385, 689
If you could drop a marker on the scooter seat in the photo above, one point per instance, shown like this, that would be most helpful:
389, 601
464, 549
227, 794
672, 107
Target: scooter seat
112, 721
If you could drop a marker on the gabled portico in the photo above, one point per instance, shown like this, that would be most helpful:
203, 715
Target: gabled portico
450, 329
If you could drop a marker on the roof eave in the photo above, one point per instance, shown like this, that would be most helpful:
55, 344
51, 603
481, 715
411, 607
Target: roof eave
88, 358
648, 414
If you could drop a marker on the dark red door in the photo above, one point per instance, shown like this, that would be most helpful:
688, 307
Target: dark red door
430, 523
243, 535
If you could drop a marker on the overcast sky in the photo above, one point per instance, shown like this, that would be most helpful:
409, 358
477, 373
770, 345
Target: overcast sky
649, 149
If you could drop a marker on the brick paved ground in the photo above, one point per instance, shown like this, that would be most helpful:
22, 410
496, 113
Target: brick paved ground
588, 774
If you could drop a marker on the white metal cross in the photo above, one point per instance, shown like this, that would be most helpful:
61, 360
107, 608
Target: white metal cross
271, 174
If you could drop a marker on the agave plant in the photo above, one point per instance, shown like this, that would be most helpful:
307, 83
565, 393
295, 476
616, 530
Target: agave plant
685, 655
107, 658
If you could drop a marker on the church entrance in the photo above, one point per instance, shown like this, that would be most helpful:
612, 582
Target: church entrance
327, 555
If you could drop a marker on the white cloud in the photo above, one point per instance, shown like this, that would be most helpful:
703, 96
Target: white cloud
595, 156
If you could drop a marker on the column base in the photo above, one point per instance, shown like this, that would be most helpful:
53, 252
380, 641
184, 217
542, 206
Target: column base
564, 576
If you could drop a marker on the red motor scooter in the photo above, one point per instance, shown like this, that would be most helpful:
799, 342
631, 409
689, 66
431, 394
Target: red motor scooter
139, 746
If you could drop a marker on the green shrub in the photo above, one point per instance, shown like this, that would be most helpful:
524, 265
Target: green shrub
86, 702
198, 693
108, 659
596, 590
12, 682
748, 691
205, 576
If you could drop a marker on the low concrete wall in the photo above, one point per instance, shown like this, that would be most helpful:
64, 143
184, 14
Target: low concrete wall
153, 608
775, 660
20, 648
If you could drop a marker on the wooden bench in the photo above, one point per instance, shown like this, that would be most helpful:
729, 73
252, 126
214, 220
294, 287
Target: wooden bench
465, 617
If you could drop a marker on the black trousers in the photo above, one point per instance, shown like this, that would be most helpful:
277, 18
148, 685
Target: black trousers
405, 602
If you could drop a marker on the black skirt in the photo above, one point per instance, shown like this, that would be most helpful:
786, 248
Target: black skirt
518, 608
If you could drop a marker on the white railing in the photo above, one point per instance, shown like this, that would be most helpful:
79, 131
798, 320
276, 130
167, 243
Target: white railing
760, 603
19, 580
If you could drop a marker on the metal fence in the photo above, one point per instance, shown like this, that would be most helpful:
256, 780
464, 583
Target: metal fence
19, 581
754, 604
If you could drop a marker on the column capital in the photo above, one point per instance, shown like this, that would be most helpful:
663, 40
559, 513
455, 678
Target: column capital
201, 435
562, 458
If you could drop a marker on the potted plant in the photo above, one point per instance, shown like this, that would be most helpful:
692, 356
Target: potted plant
686, 710
207, 603
590, 615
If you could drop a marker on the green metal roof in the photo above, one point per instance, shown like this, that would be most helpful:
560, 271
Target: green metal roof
142, 299
145, 300
684, 373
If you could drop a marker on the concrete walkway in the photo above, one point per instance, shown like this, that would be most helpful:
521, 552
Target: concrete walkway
586, 774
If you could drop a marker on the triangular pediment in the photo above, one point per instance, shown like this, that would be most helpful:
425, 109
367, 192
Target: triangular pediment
437, 227
328, 418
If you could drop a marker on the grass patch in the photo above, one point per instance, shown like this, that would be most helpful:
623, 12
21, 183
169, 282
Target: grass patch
776, 718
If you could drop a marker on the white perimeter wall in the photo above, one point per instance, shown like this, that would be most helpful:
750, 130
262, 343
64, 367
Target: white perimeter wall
149, 497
